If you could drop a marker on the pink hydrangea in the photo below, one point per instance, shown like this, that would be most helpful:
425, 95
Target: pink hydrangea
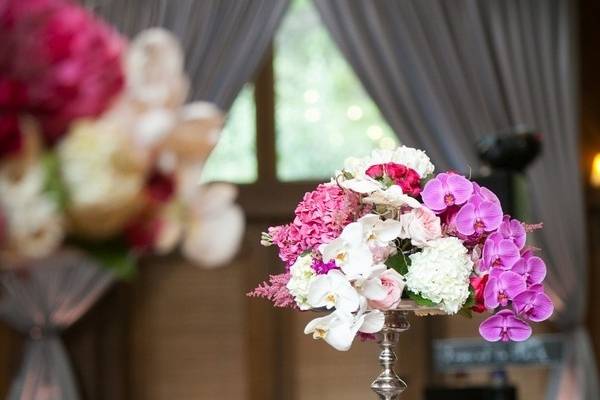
320, 218
77, 70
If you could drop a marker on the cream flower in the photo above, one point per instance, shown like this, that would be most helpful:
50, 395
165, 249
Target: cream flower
440, 273
302, 274
154, 65
214, 224
102, 185
34, 223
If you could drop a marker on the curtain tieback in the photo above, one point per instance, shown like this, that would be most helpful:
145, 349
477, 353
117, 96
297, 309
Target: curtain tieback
38, 332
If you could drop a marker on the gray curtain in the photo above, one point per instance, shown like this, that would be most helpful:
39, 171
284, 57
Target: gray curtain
446, 73
40, 300
224, 40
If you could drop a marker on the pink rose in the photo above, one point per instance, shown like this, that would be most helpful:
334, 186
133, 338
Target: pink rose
394, 284
420, 225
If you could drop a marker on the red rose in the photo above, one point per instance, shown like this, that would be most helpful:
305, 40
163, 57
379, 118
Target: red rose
375, 171
160, 187
407, 178
11, 137
478, 283
142, 234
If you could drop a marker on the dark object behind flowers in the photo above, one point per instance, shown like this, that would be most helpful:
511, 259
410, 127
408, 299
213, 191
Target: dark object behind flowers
511, 152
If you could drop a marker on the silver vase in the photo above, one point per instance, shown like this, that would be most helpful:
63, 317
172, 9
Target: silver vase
388, 385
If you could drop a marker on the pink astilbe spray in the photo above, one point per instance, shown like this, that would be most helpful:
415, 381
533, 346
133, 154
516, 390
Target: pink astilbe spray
320, 218
276, 291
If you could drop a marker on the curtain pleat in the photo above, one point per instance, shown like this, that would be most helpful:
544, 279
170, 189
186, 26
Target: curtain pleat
40, 300
447, 73
224, 40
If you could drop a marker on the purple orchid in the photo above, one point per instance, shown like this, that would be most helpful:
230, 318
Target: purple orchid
499, 253
504, 326
502, 287
446, 190
531, 267
533, 304
484, 193
478, 216
514, 230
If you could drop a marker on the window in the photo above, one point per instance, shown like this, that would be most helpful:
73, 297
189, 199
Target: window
322, 113
234, 157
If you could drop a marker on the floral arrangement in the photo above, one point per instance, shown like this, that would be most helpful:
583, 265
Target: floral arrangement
98, 149
384, 230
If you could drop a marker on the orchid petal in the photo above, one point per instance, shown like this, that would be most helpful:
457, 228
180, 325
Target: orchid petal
465, 220
433, 195
490, 293
536, 270
460, 187
491, 328
373, 322
491, 215
512, 283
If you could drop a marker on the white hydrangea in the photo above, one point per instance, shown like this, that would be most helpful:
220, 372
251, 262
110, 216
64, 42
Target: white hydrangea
441, 272
302, 275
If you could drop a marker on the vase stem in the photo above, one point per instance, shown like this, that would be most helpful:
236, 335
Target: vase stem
388, 384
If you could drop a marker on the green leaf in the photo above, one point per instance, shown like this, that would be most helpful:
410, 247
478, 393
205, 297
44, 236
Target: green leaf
54, 185
114, 255
399, 262
466, 311
420, 300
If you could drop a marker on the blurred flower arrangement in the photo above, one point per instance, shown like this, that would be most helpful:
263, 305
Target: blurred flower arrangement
385, 230
98, 149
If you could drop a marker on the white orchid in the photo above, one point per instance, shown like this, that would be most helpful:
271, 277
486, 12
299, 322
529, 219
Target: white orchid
349, 251
378, 232
333, 291
338, 329
393, 197
372, 287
